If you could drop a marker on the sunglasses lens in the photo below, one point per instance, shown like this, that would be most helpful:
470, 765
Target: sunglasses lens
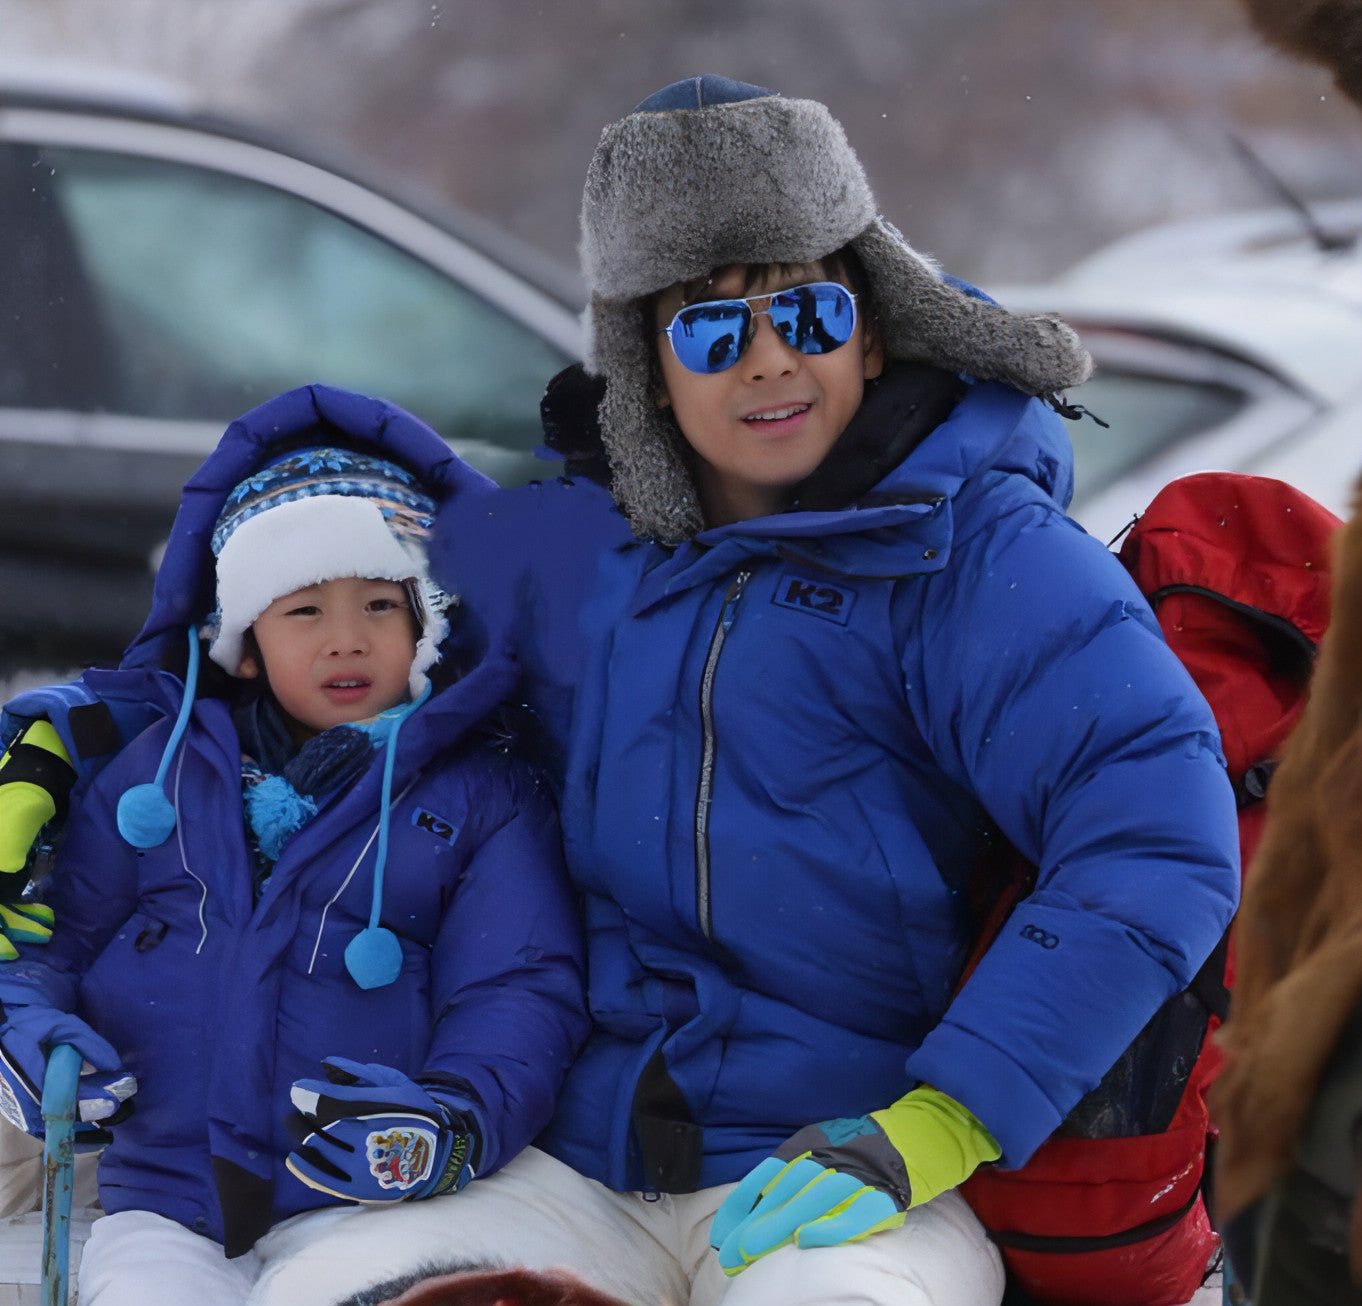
709, 337
814, 319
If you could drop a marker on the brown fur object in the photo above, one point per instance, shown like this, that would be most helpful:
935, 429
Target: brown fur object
1299, 928
1327, 32
503, 1288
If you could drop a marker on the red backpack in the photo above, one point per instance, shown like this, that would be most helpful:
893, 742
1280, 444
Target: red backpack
1236, 569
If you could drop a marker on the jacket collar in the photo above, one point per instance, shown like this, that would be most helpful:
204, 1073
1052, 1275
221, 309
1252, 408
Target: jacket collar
904, 524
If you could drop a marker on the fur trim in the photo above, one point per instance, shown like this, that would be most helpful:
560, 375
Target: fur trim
1329, 32
672, 195
926, 320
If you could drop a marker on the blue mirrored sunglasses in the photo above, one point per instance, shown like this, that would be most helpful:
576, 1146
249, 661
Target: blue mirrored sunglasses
711, 336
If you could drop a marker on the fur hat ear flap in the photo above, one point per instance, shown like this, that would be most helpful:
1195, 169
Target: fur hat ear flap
924, 318
650, 479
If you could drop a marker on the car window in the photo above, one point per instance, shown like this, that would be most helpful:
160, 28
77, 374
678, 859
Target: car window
200, 294
1144, 414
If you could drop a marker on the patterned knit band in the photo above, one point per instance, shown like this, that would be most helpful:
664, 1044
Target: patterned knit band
406, 508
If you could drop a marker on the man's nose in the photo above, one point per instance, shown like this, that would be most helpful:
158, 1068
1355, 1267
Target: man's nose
767, 353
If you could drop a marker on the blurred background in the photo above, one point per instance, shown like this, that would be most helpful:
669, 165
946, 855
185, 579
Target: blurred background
1006, 138
205, 202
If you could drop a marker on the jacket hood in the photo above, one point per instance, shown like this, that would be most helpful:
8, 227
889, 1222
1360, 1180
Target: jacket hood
184, 590
184, 594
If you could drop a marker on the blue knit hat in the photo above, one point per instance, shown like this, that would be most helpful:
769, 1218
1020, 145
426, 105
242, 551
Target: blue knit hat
319, 514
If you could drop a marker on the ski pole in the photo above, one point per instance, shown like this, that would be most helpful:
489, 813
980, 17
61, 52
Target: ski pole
59, 1158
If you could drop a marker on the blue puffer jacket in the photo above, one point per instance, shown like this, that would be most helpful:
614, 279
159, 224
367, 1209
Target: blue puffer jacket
218, 1004
788, 738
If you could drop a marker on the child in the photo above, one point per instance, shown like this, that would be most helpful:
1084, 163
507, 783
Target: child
368, 988
853, 631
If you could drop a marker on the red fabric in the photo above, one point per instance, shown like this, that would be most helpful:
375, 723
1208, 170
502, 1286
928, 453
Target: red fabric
1256, 541
1094, 1188
1161, 1271
1265, 546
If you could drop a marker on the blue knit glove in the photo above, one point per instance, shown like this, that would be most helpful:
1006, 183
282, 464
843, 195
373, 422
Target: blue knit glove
843, 1180
367, 1133
27, 1035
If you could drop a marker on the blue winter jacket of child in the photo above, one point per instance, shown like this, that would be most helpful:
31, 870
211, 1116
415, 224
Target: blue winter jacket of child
218, 1003
788, 736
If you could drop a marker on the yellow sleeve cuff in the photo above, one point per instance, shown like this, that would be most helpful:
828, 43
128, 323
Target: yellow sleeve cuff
941, 1142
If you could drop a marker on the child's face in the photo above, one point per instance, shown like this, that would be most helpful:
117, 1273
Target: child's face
764, 424
336, 652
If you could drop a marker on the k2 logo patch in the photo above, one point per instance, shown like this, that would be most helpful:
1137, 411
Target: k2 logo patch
816, 597
437, 825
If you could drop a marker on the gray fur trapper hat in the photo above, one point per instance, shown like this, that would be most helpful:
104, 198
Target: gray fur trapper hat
708, 172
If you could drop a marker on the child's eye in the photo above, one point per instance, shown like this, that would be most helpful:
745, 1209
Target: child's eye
303, 610
386, 605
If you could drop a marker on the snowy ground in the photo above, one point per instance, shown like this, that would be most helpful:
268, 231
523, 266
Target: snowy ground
1211, 1295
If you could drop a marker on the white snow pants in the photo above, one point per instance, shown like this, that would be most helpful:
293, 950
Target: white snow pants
541, 1214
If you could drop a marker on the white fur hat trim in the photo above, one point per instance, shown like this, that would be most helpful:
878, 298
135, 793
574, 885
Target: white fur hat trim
308, 541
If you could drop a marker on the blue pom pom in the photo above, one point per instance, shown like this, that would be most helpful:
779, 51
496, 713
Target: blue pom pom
145, 816
374, 958
276, 811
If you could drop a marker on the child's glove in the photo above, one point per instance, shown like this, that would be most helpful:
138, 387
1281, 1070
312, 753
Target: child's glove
36, 776
367, 1133
21, 922
27, 1035
845, 1179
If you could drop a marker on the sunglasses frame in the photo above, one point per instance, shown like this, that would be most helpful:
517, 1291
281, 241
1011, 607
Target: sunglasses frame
746, 303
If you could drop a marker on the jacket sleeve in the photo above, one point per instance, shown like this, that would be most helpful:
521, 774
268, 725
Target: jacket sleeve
523, 564
507, 973
93, 890
1044, 689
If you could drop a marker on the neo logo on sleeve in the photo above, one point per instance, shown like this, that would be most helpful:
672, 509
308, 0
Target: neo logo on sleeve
1034, 934
816, 597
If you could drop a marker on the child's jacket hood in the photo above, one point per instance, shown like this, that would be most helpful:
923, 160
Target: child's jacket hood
314, 414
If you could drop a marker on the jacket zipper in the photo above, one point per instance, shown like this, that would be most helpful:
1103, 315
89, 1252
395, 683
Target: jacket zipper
706, 787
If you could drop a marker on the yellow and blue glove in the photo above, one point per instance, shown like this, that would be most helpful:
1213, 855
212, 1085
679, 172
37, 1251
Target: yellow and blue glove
367, 1133
36, 776
846, 1179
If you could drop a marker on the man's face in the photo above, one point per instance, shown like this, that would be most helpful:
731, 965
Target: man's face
483, 1285
763, 424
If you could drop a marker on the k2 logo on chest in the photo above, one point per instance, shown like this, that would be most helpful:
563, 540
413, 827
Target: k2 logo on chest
816, 597
436, 825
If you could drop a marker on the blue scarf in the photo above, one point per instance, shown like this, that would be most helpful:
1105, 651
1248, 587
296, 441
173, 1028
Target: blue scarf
283, 786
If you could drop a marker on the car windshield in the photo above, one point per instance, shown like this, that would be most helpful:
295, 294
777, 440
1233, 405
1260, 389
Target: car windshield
1144, 414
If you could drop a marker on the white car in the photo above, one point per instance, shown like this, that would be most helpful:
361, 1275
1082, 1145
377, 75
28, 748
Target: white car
1225, 343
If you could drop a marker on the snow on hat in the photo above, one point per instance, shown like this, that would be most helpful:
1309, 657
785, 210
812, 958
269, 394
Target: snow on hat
709, 172
315, 515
